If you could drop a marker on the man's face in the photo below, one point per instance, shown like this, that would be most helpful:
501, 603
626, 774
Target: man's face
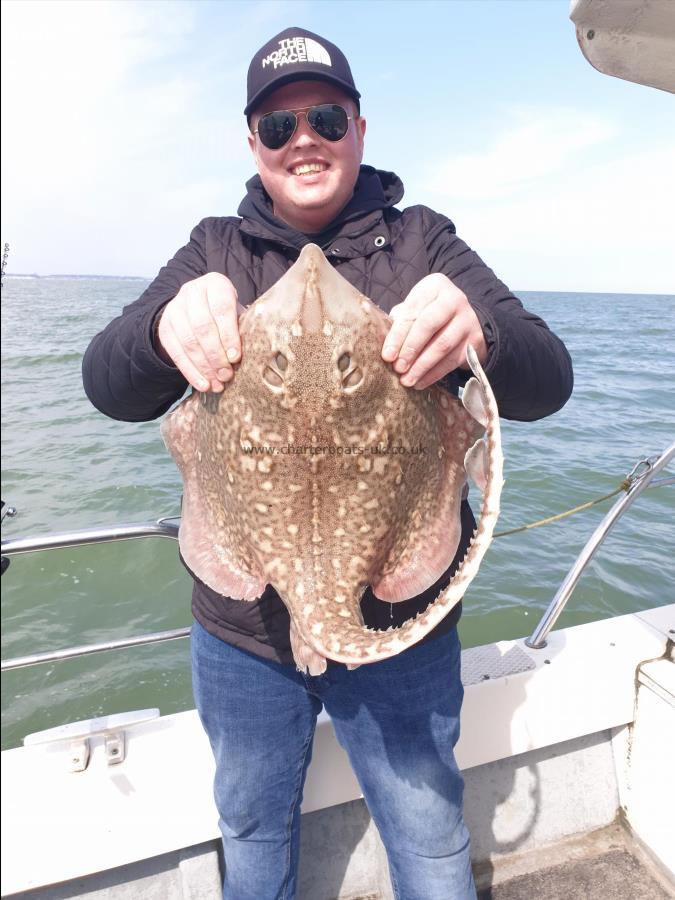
309, 202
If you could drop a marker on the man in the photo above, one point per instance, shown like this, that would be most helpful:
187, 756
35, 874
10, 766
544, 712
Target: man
398, 719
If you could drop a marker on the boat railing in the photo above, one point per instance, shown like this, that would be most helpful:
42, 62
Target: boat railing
642, 476
167, 527
163, 528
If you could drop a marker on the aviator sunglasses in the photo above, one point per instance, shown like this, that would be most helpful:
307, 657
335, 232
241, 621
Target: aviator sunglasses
328, 120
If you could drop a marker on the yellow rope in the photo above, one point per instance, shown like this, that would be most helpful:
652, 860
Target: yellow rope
624, 486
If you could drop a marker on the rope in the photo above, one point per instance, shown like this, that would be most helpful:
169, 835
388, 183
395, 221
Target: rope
624, 486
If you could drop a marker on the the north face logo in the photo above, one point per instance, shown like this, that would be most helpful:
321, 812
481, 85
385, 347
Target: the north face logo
295, 50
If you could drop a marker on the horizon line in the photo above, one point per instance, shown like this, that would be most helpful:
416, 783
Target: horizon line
150, 278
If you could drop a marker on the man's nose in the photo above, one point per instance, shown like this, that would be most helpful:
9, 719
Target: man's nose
304, 135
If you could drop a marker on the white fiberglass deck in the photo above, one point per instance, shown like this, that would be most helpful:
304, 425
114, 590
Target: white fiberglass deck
545, 739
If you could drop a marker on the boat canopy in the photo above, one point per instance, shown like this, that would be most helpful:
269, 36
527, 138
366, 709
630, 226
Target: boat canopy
632, 39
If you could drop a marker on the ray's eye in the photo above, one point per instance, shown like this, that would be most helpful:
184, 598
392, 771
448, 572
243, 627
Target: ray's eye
272, 372
352, 375
272, 378
281, 361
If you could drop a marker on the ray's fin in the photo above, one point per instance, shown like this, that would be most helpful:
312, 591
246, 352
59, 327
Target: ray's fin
476, 464
472, 399
307, 659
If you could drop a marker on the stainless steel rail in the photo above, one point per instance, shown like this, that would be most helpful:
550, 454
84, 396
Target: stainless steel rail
639, 479
21, 662
162, 528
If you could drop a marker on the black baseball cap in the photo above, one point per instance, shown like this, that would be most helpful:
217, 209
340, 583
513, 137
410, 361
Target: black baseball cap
296, 55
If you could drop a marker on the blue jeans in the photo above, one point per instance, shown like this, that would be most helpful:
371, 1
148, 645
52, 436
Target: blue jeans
397, 719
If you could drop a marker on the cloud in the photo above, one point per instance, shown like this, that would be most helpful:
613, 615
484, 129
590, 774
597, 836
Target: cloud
108, 147
559, 202
64, 59
538, 144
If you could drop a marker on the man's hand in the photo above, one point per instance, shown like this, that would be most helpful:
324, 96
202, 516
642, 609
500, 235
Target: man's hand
199, 331
431, 329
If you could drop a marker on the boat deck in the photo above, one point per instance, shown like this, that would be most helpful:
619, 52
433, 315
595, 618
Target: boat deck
607, 863
559, 806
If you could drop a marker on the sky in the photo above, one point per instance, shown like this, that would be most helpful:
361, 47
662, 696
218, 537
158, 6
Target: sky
123, 127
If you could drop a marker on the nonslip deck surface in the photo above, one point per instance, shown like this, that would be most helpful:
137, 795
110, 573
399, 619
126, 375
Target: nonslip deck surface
614, 875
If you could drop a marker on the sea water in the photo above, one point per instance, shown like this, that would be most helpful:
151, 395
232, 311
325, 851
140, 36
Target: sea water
65, 466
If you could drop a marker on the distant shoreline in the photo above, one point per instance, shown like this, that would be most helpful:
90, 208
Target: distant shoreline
519, 293
73, 277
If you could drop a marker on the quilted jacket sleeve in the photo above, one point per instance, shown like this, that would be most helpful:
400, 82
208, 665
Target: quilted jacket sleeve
528, 366
123, 375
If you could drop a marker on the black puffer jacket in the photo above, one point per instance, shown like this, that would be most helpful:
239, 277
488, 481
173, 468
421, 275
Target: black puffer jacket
383, 252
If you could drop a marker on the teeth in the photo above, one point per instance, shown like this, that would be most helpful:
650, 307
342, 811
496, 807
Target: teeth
309, 168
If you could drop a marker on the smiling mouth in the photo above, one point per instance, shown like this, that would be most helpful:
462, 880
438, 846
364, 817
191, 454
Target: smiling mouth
309, 169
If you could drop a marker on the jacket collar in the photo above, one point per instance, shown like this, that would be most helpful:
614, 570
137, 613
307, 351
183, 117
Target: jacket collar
357, 231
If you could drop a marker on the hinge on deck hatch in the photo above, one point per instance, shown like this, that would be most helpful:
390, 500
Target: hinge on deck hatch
76, 737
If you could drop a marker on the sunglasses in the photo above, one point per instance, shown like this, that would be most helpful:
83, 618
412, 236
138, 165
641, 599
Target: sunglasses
328, 120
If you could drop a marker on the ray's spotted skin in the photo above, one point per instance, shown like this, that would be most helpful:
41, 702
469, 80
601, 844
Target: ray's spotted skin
317, 472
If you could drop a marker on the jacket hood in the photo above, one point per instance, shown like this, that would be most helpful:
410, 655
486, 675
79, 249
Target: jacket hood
375, 191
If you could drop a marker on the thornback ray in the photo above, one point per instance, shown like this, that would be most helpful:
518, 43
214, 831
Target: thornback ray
317, 472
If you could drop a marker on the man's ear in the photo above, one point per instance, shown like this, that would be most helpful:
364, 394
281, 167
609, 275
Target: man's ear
361, 132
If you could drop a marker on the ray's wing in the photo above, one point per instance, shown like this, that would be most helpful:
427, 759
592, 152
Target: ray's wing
205, 535
434, 530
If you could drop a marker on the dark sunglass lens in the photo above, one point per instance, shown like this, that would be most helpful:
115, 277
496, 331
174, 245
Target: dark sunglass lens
329, 121
276, 128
